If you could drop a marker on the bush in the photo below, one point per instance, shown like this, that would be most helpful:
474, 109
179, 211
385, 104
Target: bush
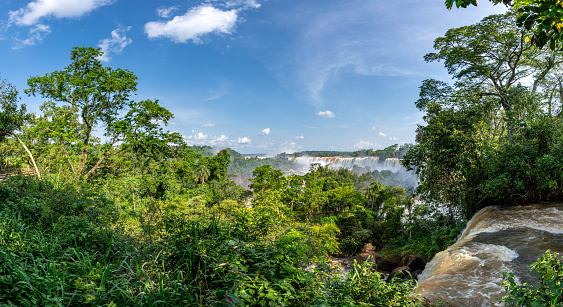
365, 287
549, 291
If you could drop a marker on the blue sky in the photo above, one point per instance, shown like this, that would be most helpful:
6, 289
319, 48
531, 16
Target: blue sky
259, 76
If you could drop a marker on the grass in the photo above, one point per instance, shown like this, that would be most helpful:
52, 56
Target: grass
67, 245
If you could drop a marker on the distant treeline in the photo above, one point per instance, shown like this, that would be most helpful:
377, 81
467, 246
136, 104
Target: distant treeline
241, 167
393, 151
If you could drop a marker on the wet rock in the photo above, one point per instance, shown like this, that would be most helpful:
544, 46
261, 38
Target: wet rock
399, 273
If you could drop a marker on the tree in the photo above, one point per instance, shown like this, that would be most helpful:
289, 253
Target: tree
266, 178
543, 17
101, 97
12, 117
202, 173
487, 59
61, 126
487, 137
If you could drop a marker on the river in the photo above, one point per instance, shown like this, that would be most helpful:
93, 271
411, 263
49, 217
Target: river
469, 273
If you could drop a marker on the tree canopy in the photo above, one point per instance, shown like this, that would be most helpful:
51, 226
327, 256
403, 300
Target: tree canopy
488, 136
98, 96
12, 116
543, 17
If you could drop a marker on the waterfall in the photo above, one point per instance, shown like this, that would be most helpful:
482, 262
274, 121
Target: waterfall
373, 163
469, 273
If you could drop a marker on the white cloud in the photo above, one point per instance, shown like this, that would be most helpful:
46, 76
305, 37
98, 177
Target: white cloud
266, 145
393, 138
243, 3
326, 114
244, 140
166, 12
373, 128
365, 145
299, 137
264, 132
354, 37
381, 134
115, 44
209, 124
201, 136
197, 22
289, 147
35, 10
36, 34
219, 140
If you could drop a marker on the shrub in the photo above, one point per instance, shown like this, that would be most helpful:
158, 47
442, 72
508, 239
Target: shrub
549, 291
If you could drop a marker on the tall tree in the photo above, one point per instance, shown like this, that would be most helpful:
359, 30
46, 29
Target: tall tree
487, 136
101, 96
12, 117
490, 57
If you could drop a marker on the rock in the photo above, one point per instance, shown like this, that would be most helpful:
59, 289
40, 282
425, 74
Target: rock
399, 273
411, 267
368, 252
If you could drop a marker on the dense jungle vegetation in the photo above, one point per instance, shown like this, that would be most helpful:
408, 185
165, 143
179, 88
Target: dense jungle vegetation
139, 218
242, 167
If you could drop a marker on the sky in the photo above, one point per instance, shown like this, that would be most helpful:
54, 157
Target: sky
258, 76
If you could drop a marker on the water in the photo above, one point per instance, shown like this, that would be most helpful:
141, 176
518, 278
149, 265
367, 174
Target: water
373, 163
469, 273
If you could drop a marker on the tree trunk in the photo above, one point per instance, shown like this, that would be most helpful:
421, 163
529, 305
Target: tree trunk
68, 159
28, 152
104, 156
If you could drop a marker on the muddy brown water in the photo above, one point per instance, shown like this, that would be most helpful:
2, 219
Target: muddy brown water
469, 273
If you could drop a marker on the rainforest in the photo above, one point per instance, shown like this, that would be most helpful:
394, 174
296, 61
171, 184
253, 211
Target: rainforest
102, 204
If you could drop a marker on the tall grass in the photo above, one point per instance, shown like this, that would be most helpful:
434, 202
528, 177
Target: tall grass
64, 244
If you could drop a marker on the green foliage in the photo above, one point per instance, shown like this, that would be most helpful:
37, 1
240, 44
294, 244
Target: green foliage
549, 291
488, 139
12, 117
99, 96
158, 223
544, 17
364, 287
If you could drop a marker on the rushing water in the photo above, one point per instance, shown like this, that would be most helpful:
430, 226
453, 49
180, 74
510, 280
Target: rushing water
373, 163
469, 273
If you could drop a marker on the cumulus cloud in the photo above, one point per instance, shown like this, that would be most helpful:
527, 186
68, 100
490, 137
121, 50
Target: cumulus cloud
365, 145
326, 114
299, 137
393, 138
35, 35
166, 12
219, 139
198, 21
115, 44
381, 134
264, 132
244, 140
201, 136
209, 124
38, 9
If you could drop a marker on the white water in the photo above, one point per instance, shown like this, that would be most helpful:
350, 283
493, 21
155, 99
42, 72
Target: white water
469, 273
373, 163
